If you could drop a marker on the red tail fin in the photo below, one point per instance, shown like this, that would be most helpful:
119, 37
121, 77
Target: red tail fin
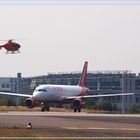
83, 77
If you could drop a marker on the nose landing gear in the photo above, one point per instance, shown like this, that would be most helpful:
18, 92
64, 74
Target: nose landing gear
45, 107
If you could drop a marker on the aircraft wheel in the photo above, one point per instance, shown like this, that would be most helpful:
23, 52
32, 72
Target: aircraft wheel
42, 109
79, 109
47, 108
75, 110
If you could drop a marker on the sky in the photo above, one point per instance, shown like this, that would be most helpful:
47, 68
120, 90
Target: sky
60, 37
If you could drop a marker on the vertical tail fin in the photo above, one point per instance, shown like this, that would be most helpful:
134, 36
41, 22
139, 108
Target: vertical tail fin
83, 77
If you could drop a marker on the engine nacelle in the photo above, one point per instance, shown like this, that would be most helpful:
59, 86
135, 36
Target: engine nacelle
78, 103
30, 102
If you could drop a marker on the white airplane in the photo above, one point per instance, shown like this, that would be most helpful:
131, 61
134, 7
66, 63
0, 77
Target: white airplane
62, 93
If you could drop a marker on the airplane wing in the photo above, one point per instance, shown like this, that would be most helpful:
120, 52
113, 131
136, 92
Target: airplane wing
15, 94
96, 96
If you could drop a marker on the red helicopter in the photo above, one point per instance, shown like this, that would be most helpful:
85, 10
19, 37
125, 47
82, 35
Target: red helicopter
11, 47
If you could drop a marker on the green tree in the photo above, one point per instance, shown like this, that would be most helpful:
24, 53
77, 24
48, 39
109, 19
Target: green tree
105, 106
10, 102
3, 101
114, 107
135, 109
90, 104
22, 101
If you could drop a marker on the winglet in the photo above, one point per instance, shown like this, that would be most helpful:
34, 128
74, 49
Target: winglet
83, 77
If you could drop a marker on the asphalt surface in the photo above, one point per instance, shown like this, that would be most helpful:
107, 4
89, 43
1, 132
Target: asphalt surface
76, 124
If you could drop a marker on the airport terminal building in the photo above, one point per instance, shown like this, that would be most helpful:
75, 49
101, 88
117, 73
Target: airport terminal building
101, 82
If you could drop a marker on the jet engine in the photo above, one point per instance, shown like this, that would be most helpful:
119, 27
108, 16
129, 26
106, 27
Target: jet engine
30, 102
77, 104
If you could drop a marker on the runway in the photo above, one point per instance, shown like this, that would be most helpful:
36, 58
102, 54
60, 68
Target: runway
76, 124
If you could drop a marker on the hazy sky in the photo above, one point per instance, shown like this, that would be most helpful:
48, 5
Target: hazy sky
60, 37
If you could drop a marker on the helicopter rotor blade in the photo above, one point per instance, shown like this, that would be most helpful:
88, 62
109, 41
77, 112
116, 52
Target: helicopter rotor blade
15, 39
7, 39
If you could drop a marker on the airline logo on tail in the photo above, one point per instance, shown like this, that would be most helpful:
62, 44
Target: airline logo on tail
83, 78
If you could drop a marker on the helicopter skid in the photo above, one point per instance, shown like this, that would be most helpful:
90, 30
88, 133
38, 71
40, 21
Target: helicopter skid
12, 52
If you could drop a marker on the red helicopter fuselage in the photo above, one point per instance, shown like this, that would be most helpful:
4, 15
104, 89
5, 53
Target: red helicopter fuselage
11, 46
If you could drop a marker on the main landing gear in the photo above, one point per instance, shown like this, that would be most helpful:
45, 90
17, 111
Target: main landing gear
77, 109
45, 108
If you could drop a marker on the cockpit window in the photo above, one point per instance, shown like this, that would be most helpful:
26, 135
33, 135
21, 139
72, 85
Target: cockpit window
44, 90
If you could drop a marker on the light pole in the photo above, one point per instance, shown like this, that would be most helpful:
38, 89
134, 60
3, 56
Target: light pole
123, 106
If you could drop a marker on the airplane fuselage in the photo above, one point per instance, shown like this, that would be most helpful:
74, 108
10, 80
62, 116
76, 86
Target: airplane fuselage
57, 92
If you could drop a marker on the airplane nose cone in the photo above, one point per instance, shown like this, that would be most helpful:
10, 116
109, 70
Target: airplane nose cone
35, 94
38, 95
